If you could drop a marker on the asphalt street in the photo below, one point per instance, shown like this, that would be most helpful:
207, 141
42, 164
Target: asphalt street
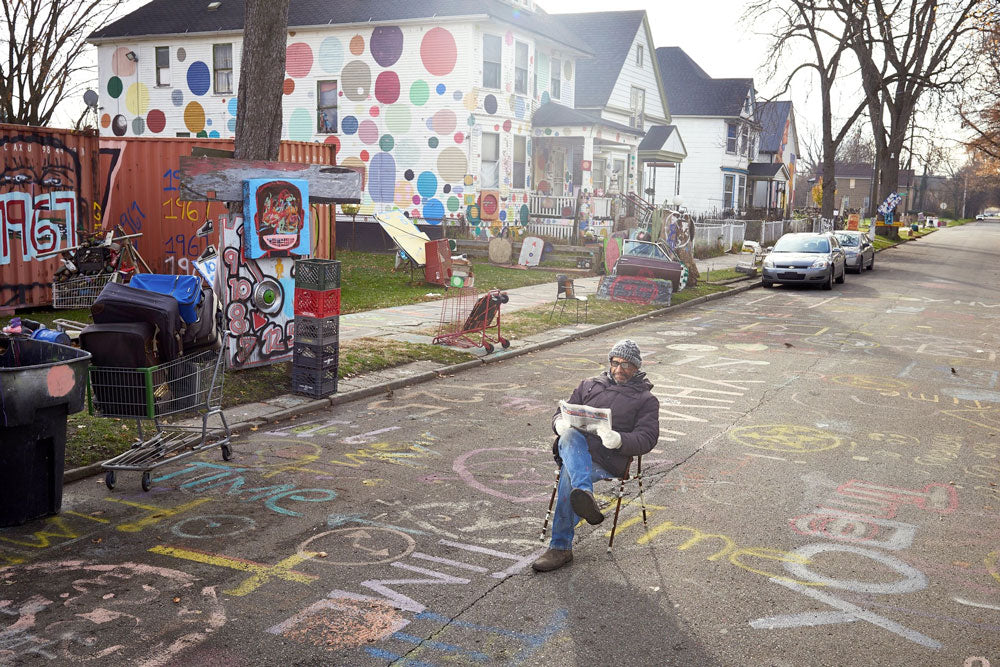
824, 492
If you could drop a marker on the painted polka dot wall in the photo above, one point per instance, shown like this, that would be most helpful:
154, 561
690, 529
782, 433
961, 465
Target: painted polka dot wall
403, 103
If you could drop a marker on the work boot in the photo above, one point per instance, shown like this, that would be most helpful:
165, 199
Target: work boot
553, 559
585, 505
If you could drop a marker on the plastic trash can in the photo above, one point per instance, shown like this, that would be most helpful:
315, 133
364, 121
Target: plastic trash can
41, 383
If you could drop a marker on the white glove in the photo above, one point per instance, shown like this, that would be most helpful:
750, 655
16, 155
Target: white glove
610, 439
561, 426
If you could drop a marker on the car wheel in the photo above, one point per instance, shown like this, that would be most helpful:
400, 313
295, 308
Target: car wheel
843, 276
766, 283
871, 265
828, 283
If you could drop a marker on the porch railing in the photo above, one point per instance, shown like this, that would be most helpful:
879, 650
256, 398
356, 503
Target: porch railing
548, 206
564, 230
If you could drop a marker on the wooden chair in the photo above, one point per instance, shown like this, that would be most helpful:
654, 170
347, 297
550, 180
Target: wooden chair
565, 291
626, 477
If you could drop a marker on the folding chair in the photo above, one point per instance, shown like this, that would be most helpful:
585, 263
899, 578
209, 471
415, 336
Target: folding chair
626, 477
565, 291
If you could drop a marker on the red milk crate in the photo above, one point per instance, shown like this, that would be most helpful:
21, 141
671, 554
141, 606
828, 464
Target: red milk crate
312, 303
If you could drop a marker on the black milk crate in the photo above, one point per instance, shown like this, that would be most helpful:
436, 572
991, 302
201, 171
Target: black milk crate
317, 274
316, 356
317, 330
314, 382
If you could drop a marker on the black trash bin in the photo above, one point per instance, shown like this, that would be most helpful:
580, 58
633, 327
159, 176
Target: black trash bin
41, 383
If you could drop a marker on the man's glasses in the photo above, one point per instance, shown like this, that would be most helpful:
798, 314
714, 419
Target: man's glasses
624, 364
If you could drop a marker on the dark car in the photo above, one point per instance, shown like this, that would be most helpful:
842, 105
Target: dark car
858, 249
645, 259
805, 258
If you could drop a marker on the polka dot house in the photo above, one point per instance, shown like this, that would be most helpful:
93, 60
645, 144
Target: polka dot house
405, 104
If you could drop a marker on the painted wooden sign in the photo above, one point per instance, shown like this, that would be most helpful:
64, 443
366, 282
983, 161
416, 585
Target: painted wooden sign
277, 217
635, 290
221, 179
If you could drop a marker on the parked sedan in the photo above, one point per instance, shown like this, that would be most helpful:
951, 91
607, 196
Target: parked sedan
858, 249
805, 258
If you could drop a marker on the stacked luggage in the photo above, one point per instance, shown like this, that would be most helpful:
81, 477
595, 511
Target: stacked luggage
148, 324
316, 356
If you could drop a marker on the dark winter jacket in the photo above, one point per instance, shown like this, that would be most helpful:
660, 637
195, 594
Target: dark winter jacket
635, 414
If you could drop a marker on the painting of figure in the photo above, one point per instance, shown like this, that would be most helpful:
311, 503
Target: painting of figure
279, 211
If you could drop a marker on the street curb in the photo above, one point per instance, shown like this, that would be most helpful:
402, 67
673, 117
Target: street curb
239, 428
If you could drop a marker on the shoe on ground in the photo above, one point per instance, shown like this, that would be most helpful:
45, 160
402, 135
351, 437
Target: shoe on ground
585, 505
553, 559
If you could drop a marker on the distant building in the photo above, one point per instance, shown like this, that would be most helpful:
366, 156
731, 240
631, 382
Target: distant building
854, 188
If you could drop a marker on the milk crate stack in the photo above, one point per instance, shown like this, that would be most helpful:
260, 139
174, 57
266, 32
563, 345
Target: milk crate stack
317, 327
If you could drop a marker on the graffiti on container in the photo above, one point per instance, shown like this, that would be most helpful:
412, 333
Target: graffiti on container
40, 206
258, 303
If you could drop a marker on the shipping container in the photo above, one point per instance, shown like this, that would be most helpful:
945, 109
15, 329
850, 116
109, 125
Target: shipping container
59, 186
48, 191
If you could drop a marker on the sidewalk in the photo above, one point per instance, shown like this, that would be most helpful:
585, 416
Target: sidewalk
398, 324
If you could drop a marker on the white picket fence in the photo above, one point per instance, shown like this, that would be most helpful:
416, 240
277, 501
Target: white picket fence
724, 234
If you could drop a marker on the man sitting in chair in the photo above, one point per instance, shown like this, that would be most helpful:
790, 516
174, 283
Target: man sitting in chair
604, 454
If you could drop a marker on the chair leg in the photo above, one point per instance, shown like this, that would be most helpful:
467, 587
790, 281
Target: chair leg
553, 311
552, 501
618, 507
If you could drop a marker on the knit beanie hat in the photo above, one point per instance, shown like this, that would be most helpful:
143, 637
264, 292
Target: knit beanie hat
627, 350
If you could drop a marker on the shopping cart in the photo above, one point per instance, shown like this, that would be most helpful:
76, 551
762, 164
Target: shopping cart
466, 318
163, 394
88, 268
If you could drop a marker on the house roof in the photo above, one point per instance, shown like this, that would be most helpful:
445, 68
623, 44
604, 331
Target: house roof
863, 170
692, 92
552, 114
772, 170
610, 36
773, 117
656, 137
170, 17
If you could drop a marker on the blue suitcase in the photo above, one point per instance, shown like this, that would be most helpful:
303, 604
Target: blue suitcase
186, 289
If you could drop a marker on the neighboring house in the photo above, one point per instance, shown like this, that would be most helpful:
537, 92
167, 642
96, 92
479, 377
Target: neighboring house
619, 134
433, 100
718, 119
854, 188
779, 145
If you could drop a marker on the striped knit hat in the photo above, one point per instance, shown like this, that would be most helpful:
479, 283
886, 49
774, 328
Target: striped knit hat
627, 350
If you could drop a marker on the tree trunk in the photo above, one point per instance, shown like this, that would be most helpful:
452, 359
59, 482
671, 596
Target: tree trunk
262, 71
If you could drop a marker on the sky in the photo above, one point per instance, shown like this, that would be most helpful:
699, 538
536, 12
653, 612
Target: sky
709, 31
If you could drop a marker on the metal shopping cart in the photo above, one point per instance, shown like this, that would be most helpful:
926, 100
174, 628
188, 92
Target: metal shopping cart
179, 397
466, 318
88, 268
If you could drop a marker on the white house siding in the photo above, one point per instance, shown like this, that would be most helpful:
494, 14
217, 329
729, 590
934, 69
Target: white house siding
632, 75
701, 176
411, 106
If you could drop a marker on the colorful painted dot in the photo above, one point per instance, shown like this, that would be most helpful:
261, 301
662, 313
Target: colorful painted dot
433, 142
433, 211
115, 87
177, 97
214, 134
545, 98
440, 89
301, 125
138, 126
382, 178
415, 199
373, 112
349, 125
357, 45
459, 137
232, 106
457, 95
427, 184
386, 142
231, 125
386, 45
331, 55
298, 59
438, 51
364, 156
408, 174
156, 120
288, 87
419, 93
490, 104
506, 126
368, 131
453, 204
198, 78
387, 87
471, 120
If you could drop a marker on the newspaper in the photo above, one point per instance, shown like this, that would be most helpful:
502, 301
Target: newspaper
585, 417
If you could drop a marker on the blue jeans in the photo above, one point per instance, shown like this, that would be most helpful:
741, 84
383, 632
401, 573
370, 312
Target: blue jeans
578, 472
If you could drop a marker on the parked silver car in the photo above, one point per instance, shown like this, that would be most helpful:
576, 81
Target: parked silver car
858, 249
805, 258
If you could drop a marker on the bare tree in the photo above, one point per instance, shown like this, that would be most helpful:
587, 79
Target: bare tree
979, 103
906, 48
262, 67
44, 42
812, 27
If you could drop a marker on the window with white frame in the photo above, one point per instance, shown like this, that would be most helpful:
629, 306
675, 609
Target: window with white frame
520, 163
638, 102
744, 137
639, 55
741, 193
163, 66
222, 66
728, 187
555, 76
326, 107
520, 68
491, 61
731, 138
489, 173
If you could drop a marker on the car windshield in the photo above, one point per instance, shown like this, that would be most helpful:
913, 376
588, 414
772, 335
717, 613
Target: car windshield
801, 244
848, 240
640, 249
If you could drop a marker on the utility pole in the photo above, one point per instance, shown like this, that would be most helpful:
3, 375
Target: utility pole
965, 192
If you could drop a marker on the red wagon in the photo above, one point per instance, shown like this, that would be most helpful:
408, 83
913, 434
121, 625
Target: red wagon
467, 319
